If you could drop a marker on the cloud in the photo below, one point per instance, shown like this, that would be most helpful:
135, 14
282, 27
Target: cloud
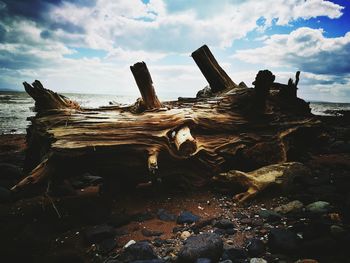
36, 37
305, 49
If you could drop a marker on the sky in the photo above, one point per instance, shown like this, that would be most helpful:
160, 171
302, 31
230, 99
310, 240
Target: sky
87, 46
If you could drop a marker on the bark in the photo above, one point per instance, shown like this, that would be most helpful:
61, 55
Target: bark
210, 68
145, 84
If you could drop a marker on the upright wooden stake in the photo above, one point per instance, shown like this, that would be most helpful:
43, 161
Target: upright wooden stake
210, 68
145, 84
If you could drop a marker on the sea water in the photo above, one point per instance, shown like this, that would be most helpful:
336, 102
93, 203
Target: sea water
16, 107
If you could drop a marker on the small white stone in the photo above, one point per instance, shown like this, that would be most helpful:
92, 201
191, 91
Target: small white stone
257, 260
185, 235
131, 242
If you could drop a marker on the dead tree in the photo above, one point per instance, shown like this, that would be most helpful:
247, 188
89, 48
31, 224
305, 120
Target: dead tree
192, 138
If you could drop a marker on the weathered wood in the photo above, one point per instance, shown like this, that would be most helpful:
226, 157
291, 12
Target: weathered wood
145, 84
46, 99
210, 68
193, 138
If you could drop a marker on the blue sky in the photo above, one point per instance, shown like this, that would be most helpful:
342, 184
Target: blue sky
87, 46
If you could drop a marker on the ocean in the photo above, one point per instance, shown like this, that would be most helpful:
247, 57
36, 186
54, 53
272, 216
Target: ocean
16, 107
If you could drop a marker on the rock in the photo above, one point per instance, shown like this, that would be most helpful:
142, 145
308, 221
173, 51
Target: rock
293, 206
144, 216
130, 242
203, 260
282, 240
164, 215
185, 235
141, 250
179, 229
319, 246
257, 260
98, 233
10, 171
226, 261
5, 195
234, 254
187, 217
67, 256
231, 231
337, 231
318, 207
270, 215
106, 245
151, 233
256, 247
118, 220
149, 261
224, 224
205, 245
220, 232
306, 261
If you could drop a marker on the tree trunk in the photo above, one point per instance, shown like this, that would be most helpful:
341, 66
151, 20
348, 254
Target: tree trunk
193, 139
210, 68
145, 84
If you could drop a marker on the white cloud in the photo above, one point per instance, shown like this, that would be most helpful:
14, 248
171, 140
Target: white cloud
305, 49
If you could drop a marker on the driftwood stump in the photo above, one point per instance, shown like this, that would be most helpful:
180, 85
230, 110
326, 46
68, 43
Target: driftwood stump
193, 138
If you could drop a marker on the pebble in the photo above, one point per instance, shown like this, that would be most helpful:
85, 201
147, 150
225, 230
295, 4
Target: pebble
257, 260
98, 233
337, 231
186, 217
151, 233
164, 215
293, 206
131, 242
255, 247
282, 240
270, 215
205, 245
185, 235
318, 207
224, 224
141, 250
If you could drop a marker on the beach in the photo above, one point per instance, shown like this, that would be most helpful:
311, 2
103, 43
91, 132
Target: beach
87, 226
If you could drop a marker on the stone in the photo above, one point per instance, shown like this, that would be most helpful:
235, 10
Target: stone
282, 240
269, 215
226, 261
207, 245
149, 261
257, 260
98, 233
10, 171
118, 220
164, 215
141, 250
318, 207
130, 242
234, 254
256, 247
294, 206
185, 235
186, 217
151, 233
5, 195
144, 216
337, 231
106, 245
224, 224
306, 261
203, 260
